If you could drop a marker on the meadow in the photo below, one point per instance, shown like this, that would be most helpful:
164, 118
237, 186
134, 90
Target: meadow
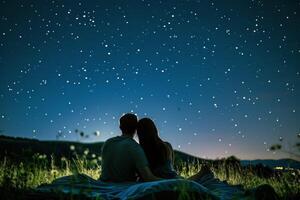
40, 169
27, 163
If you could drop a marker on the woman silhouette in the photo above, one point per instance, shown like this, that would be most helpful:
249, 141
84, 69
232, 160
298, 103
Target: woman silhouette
160, 154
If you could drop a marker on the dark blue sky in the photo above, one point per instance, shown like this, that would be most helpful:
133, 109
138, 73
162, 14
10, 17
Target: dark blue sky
219, 78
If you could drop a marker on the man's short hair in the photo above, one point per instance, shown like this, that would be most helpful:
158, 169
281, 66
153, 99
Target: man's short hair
128, 123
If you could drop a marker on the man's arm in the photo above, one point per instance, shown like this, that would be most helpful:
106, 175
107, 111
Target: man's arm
147, 175
141, 163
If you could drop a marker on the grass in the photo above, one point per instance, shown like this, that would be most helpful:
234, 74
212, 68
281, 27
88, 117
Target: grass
41, 169
286, 183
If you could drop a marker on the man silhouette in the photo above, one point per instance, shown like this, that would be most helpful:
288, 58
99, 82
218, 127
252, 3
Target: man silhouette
123, 159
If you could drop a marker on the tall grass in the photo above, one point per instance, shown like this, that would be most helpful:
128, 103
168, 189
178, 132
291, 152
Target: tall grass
40, 170
286, 183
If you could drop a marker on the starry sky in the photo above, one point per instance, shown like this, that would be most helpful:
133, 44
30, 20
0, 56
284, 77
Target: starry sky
219, 78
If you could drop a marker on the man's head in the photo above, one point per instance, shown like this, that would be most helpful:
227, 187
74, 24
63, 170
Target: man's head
128, 124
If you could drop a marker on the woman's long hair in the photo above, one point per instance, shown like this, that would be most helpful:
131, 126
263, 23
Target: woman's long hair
155, 149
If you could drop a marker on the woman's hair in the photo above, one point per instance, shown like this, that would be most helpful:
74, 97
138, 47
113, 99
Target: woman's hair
155, 149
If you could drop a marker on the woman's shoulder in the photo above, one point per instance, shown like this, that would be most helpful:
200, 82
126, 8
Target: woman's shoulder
169, 148
168, 145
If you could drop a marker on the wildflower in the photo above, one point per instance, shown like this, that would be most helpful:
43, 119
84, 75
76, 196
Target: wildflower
72, 147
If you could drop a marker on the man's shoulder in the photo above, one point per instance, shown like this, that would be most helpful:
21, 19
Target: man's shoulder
111, 139
124, 140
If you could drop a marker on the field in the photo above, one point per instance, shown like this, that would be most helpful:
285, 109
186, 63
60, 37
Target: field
23, 175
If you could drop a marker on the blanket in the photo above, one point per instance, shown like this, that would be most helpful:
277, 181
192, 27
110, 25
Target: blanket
93, 189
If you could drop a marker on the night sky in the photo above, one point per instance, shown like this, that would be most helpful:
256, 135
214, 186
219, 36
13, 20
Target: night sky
219, 78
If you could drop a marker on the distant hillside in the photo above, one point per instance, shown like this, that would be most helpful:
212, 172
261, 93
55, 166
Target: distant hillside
20, 149
23, 148
188, 157
287, 163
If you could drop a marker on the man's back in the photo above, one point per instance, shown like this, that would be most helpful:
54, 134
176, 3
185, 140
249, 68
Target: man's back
121, 158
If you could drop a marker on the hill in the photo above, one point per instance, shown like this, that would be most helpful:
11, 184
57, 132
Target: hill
286, 163
21, 149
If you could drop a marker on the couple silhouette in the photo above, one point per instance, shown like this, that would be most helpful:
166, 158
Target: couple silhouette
152, 159
124, 160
